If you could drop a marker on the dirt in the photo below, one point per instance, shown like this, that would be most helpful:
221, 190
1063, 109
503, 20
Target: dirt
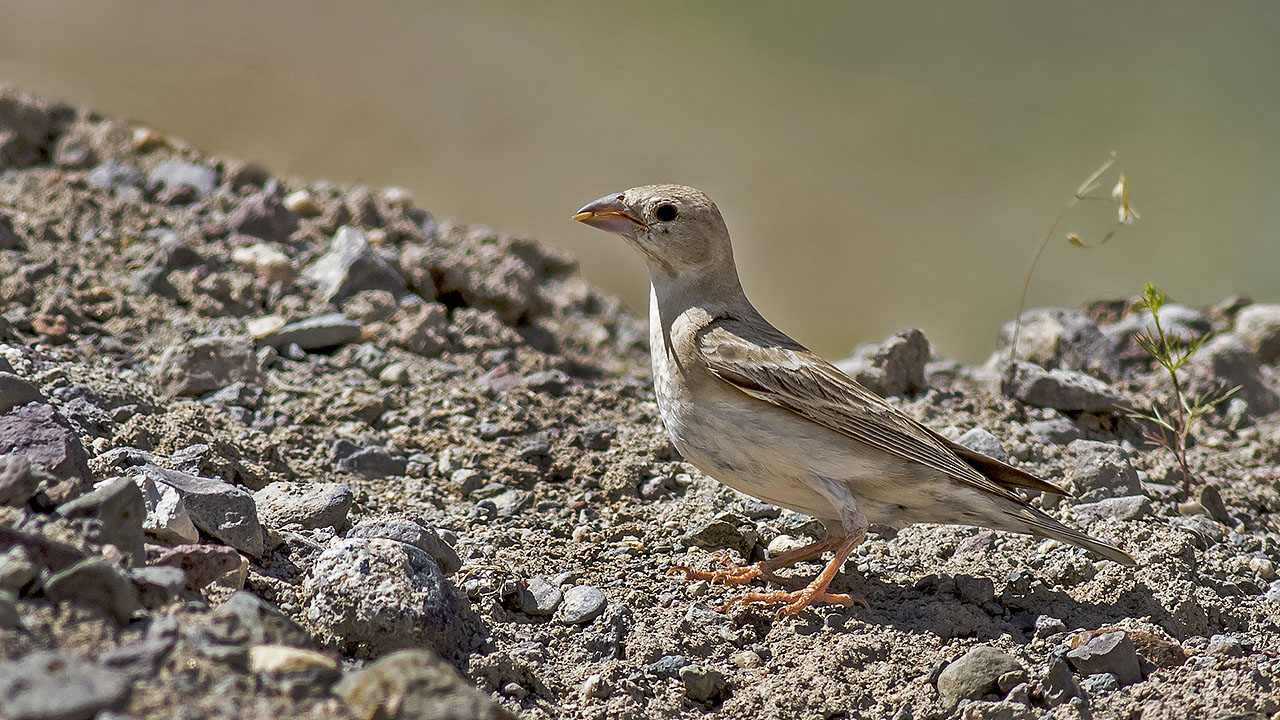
520, 424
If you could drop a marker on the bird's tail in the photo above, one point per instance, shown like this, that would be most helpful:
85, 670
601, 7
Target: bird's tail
1039, 524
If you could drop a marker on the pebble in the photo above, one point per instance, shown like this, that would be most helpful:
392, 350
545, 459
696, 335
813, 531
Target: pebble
16, 392
174, 179
95, 582
582, 604
352, 265
1110, 652
981, 440
397, 373
1225, 362
56, 686
303, 203
415, 684
263, 216
16, 569
892, 368
288, 660
315, 333
1129, 507
997, 710
205, 364
975, 590
225, 511
1258, 327
719, 533
1060, 338
368, 596
1065, 390
373, 462
1099, 684
702, 684
48, 443
306, 505
974, 674
267, 262
117, 504
668, 666
167, 519
1047, 625
203, 564
540, 597
261, 621
1059, 684
1263, 567
1058, 431
1099, 470
407, 530
10, 619
116, 178
17, 482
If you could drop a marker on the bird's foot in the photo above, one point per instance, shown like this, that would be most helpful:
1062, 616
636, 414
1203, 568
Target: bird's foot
797, 600
730, 574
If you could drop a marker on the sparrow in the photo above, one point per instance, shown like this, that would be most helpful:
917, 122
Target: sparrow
757, 411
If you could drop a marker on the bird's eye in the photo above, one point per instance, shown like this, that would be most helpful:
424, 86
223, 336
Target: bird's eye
666, 212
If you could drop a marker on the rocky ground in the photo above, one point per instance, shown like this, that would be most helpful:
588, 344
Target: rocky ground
271, 448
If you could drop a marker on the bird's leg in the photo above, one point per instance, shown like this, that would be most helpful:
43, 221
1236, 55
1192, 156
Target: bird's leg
733, 574
816, 591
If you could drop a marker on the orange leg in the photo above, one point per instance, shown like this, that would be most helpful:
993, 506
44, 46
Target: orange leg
816, 591
742, 574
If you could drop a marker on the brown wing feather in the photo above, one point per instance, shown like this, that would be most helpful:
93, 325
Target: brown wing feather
784, 373
999, 472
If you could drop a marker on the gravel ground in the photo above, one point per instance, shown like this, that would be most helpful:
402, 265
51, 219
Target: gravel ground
273, 448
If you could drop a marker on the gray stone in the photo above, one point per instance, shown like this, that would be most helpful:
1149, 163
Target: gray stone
323, 331
114, 177
9, 617
49, 685
582, 604
17, 482
1059, 338
9, 238
893, 367
668, 666
221, 509
16, 569
1058, 431
119, 506
1258, 327
142, 659
368, 596
716, 534
1064, 390
974, 674
16, 392
981, 440
28, 127
1098, 470
373, 462
1224, 363
1047, 625
1110, 652
47, 441
158, 584
1059, 684
409, 531
975, 590
423, 330
998, 710
306, 505
702, 684
174, 176
205, 564
205, 364
167, 518
1208, 530
1099, 684
263, 216
94, 582
540, 598
415, 684
262, 621
350, 266
1129, 507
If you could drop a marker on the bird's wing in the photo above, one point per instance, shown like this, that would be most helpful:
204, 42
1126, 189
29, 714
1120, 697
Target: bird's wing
780, 371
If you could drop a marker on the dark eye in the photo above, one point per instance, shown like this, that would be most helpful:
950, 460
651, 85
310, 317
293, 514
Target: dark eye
666, 212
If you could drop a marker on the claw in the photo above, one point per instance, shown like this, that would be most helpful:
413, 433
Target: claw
795, 602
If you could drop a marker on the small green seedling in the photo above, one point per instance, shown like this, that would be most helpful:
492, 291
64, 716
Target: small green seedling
1172, 429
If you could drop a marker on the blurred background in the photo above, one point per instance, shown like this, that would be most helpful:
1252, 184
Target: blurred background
881, 165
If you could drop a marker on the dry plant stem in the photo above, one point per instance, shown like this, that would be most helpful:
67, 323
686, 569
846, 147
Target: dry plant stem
1076, 197
1184, 424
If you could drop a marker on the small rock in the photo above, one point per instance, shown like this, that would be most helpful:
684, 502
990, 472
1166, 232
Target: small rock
115, 177
314, 333
981, 440
997, 710
1110, 652
1099, 684
1059, 684
1097, 470
598, 435
263, 216
1058, 431
16, 569
351, 265
582, 604
415, 684
48, 443
303, 203
205, 364
16, 392
225, 511
1211, 500
262, 621
1258, 326
1264, 567
370, 596
406, 530
397, 373
373, 462
167, 518
202, 564
306, 505
1184, 323
975, 590
288, 660
1205, 529
1064, 390
9, 617
17, 482
267, 262
716, 534
422, 331
704, 685
1228, 646
1047, 625
9, 238
540, 598
894, 367
117, 504
1059, 338
973, 675
175, 180
1130, 507
157, 584
1224, 363
96, 583
668, 666
50, 684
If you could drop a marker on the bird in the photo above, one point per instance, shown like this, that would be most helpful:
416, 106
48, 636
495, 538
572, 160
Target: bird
757, 411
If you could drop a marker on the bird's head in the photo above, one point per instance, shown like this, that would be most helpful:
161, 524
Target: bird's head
677, 229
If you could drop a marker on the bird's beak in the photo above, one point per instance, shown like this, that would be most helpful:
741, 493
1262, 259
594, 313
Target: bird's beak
611, 214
